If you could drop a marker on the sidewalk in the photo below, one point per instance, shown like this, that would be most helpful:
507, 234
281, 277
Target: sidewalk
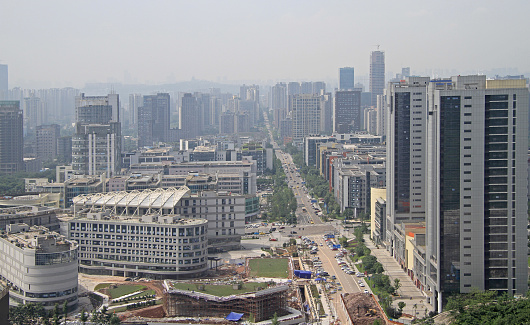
408, 293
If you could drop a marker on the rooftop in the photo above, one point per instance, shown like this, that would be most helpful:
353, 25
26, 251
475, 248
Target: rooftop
38, 238
155, 199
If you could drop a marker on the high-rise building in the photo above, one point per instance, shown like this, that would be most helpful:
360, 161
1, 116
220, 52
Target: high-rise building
318, 87
96, 144
406, 157
46, 137
135, 101
381, 116
35, 113
477, 135
377, 75
278, 96
293, 88
305, 112
153, 120
4, 84
189, 116
346, 78
326, 116
11, 137
96, 149
97, 109
64, 149
306, 87
347, 111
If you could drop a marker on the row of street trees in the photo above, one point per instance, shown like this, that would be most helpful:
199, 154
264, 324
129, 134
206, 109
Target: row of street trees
282, 202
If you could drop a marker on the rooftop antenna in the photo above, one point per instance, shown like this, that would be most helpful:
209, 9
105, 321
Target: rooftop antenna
377, 46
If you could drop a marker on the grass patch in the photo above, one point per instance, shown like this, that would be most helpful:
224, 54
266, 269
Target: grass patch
220, 290
102, 286
269, 267
528, 261
360, 267
137, 296
123, 290
145, 293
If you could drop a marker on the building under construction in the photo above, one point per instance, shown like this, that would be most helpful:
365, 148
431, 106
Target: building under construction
262, 304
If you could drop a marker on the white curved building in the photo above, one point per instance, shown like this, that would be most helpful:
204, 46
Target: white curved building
40, 266
158, 247
224, 211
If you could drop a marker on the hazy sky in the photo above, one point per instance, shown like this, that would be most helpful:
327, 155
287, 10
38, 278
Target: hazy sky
67, 43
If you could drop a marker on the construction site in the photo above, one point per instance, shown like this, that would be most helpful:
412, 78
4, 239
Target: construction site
262, 303
360, 310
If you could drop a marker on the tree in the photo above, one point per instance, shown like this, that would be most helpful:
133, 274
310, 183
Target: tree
84, 317
275, 319
401, 305
114, 320
397, 284
251, 318
415, 307
55, 309
56, 319
378, 322
65, 308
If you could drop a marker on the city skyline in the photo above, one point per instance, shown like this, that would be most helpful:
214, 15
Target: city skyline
85, 42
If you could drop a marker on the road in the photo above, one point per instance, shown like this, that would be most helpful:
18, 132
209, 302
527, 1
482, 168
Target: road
295, 181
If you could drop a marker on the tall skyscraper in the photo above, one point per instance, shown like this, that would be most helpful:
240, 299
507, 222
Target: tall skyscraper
97, 109
306, 87
46, 136
346, 78
135, 101
35, 113
153, 119
377, 75
347, 111
305, 112
406, 157
477, 135
326, 113
318, 87
278, 96
11, 137
96, 144
4, 84
189, 116
457, 160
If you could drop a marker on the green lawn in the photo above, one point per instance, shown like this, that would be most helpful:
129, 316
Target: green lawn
101, 286
269, 267
528, 261
220, 290
142, 294
125, 289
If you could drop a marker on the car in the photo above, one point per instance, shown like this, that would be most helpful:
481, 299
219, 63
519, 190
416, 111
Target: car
366, 291
273, 239
333, 277
361, 285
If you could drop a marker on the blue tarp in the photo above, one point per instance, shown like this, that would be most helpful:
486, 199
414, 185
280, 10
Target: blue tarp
234, 317
302, 274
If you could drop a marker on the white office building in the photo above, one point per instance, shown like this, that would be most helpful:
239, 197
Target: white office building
158, 247
224, 211
39, 265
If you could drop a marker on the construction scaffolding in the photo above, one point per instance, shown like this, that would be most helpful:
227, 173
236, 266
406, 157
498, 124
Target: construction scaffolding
262, 304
